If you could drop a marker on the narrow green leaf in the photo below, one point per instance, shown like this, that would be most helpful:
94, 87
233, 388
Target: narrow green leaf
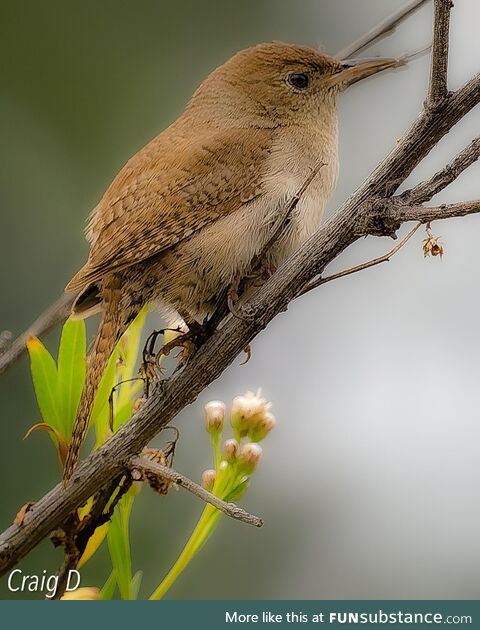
108, 589
119, 374
135, 584
128, 348
119, 546
57, 438
99, 416
44, 376
236, 492
71, 372
122, 414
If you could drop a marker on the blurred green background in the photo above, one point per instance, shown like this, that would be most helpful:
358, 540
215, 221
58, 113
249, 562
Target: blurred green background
369, 486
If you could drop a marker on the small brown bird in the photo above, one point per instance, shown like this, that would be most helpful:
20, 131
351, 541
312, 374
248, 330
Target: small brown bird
189, 212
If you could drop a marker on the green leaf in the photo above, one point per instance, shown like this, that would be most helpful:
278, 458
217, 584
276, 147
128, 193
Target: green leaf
128, 347
71, 372
99, 416
236, 492
44, 376
135, 584
119, 374
122, 414
58, 439
108, 589
119, 546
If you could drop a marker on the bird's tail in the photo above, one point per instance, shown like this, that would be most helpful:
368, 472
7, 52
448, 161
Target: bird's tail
112, 327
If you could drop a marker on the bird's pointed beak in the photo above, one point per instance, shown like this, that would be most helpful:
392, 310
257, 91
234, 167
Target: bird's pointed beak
353, 70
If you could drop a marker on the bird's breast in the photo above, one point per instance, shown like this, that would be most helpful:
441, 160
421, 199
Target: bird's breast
295, 154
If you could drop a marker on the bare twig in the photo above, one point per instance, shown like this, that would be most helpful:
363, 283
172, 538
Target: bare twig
422, 214
385, 27
435, 213
165, 472
6, 339
366, 265
426, 190
438, 89
75, 534
57, 313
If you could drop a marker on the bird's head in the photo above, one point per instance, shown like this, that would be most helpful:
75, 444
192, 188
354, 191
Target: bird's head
277, 84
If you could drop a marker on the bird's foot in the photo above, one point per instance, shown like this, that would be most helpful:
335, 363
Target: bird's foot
150, 368
189, 341
262, 272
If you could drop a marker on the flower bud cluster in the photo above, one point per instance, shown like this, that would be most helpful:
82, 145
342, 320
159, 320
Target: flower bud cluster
250, 416
237, 458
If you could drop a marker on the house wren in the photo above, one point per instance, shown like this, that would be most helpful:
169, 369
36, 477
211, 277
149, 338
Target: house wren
190, 211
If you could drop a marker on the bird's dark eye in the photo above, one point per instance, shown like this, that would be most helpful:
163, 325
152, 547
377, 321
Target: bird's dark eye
298, 80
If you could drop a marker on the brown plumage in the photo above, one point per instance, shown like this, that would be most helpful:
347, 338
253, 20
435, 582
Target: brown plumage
189, 212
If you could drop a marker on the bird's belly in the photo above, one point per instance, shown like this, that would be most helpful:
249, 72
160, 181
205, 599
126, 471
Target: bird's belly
199, 269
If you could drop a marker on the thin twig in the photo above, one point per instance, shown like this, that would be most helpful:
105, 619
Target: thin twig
76, 534
385, 27
6, 339
438, 88
426, 214
104, 504
366, 265
445, 176
165, 472
57, 313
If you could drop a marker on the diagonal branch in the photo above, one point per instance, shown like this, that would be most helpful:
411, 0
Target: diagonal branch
57, 313
382, 29
314, 284
426, 190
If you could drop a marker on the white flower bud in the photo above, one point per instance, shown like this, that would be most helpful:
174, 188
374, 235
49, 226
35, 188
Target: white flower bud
214, 416
248, 457
230, 450
263, 427
208, 479
246, 410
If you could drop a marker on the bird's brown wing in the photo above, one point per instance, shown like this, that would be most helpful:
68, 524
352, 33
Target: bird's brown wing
172, 188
